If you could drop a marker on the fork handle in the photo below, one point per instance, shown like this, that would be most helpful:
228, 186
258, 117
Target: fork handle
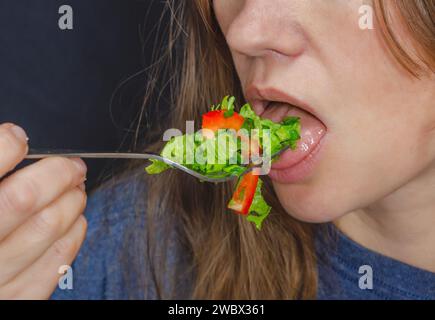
40, 154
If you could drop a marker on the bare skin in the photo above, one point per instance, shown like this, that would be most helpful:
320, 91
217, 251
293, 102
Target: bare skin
375, 175
41, 221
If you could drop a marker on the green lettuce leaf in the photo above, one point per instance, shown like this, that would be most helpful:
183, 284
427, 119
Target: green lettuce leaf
222, 164
156, 167
259, 209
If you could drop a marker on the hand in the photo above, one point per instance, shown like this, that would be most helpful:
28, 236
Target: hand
41, 221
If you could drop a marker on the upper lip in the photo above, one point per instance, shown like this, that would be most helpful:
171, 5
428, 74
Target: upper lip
260, 96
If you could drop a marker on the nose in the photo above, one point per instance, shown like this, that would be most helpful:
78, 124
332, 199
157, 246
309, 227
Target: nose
261, 27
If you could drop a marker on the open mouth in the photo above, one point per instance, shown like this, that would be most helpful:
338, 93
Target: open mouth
292, 165
312, 131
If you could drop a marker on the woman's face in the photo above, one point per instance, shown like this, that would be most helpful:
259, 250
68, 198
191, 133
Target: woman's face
373, 129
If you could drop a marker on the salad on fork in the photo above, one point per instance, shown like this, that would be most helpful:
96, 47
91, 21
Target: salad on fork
229, 144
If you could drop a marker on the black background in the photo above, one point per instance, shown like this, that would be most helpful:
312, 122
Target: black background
74, 89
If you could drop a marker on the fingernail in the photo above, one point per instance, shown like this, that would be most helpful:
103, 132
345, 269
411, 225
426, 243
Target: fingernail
19, 133
80, 164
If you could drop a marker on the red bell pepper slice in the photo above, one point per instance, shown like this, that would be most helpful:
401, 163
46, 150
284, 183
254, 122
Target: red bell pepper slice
244, 194
215, 120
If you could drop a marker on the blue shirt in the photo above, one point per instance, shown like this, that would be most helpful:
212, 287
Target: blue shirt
117, 235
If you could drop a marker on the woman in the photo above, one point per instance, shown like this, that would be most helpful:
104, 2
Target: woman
353, 219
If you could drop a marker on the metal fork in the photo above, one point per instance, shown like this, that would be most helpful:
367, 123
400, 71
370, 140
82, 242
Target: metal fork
40, 154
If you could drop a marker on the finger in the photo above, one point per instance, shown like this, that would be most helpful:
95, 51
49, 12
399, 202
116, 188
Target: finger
27, 243
32, 188
13, 147
40, 279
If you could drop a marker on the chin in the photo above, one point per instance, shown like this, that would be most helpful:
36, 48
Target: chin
309, 204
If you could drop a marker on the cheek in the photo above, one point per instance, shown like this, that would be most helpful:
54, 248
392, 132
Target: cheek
244, 68
226, 12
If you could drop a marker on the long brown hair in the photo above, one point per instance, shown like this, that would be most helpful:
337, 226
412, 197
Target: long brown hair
417, 18
230, 259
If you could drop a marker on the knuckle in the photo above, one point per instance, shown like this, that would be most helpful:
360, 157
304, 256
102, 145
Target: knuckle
14, 146
19, 195
65, 168
83, 198
83, 227
47, 224
64, 248
77, 200
10, 142
67, 247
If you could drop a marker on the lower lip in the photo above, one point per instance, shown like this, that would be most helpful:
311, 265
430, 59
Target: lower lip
301, 170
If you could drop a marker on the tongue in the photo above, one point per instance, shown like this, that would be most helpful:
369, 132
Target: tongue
312, 131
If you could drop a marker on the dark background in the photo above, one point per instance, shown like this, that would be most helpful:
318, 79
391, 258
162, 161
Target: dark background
76, 89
